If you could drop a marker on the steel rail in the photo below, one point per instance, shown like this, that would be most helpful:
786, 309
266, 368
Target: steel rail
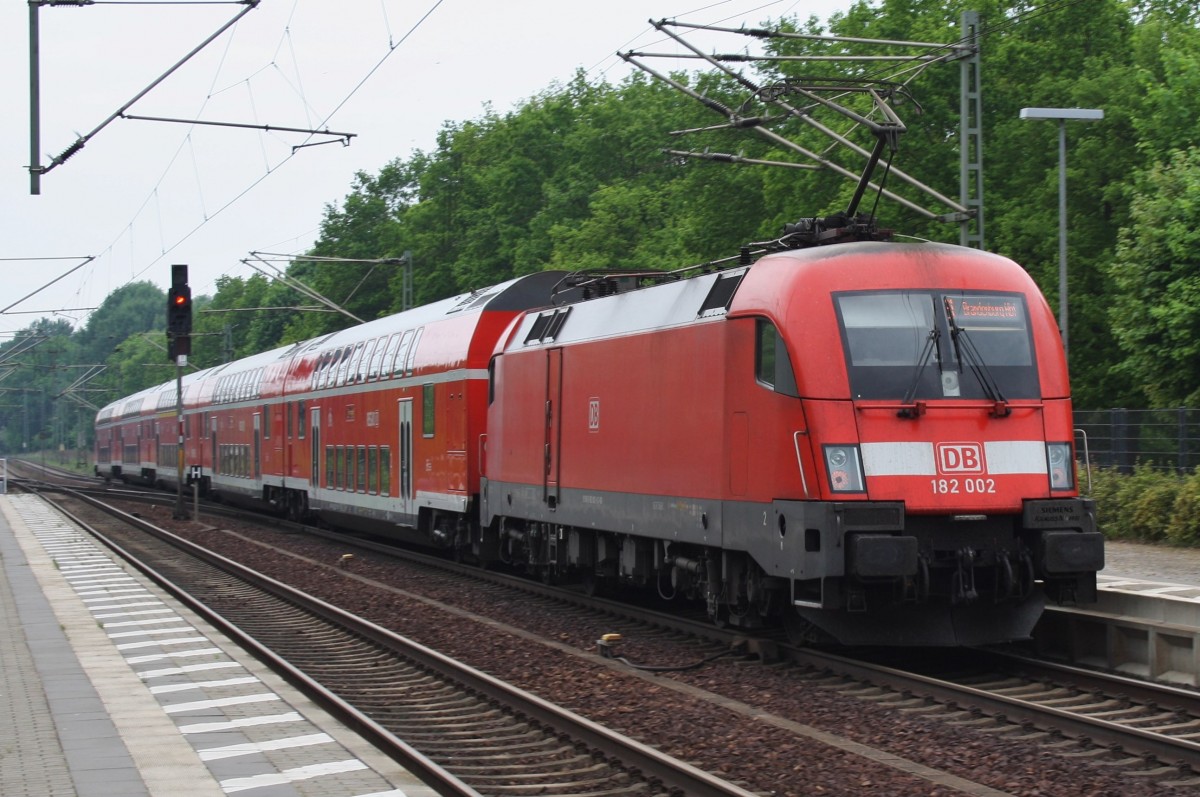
1135, 741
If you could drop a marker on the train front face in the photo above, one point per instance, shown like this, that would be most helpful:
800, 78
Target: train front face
935, 393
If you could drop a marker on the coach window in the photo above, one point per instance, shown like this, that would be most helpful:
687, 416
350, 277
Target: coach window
330, 463
383, 358
772, 368
377, 358
365, 363
412, 352
327, 363
385, 470
402, 354
339, 468
344, 367
326, 366
315, 372
266, 421
355, 360
372, 470
301, 420
362, 469
427, 408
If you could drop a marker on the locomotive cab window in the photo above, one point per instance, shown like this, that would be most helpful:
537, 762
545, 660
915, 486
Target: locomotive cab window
772, 366
930, 344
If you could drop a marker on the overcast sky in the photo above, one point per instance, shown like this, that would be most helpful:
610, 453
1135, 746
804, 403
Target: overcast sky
142, 195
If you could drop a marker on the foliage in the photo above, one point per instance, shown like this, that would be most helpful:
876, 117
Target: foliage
136, 307
1183, 525
1156, 273
1147, 505
29, 414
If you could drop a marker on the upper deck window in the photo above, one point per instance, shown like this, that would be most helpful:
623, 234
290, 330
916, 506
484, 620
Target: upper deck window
932, 344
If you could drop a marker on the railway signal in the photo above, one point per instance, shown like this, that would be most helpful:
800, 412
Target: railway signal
179, 314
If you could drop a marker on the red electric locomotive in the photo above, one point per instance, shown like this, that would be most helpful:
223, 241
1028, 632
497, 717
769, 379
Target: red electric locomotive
870, 441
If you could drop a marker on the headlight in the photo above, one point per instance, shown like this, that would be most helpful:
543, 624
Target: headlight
844, 466
1061, 465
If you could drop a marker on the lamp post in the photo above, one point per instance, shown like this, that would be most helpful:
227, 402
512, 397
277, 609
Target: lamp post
1061, 115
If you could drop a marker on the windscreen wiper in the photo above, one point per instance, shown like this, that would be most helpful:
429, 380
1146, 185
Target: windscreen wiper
965, 348
931, 342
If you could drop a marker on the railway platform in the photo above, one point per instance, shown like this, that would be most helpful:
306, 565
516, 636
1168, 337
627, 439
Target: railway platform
109, 688
1146, 622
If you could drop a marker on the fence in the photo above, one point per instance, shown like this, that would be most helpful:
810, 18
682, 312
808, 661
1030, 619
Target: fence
1122, 438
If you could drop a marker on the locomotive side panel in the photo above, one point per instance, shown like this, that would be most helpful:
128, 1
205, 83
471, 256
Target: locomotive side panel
622, 434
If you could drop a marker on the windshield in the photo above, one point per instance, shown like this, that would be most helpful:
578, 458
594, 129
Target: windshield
929, 344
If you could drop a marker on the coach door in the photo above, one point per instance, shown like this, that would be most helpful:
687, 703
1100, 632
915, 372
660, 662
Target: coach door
257, 446
404, 493
215, 450
553, 425
315, 441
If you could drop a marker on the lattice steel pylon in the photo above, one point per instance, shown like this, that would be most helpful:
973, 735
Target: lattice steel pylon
971, 136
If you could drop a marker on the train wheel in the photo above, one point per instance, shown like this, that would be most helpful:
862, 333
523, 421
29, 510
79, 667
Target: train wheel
801, 632
718, 613
590, 582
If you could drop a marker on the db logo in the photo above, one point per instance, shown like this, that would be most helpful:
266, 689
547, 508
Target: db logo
593, 414
959, 458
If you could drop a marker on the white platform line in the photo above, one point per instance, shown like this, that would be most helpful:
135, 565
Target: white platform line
179, 654
241, 700
249, 748
133, 614
170, 688
188, 668
122, 606
244, 722
96, 582
111, 594
160, 643
234, 785
134, 623
183, 629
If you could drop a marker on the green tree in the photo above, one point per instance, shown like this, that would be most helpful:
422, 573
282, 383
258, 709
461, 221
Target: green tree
130, 309
1156, 276
38, 364
138, 362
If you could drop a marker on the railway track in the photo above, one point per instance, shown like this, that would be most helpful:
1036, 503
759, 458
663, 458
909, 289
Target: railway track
454, 726
1144, 729
1149, 729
